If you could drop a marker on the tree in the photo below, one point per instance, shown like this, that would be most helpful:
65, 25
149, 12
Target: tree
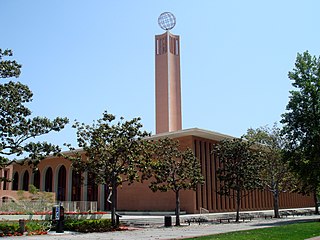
275, 174
302, 123
174, 170
8, 68
17, 127
239, 169
112, 152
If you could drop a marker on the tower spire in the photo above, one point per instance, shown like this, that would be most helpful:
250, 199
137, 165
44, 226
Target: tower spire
167, 77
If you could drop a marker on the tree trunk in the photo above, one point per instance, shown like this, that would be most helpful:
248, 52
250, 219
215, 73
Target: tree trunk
238, 200
276, 203
177, 208
113, 204
315, 202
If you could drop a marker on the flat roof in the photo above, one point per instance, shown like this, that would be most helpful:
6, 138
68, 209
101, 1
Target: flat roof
197, 132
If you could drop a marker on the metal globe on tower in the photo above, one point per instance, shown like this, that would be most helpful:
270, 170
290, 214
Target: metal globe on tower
167, 21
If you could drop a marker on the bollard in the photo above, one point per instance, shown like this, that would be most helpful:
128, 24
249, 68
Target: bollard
118, 216
167, 221
60, 226
22, 225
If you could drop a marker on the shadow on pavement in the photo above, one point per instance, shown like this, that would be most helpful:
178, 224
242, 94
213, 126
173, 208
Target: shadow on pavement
286, 222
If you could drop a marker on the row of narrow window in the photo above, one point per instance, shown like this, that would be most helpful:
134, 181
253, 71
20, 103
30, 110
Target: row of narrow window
162, 46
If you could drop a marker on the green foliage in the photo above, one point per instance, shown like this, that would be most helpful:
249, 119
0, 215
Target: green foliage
8, 68
101, 225
302, 122
17, 127
174, 170
112, 151
38, 226
275, 174
9, 227
295, 231
239, 168
32, 227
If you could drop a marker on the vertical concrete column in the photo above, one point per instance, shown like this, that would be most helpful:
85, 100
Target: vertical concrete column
10, 177
42, 179
209, 176
85, 186
101, 197
2, 182
10, 172
203, 166
69, 183
20, 182
55, 173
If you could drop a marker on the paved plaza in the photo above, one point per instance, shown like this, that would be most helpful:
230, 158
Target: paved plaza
156, 230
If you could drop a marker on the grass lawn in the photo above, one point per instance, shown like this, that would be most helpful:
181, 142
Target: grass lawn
297, 231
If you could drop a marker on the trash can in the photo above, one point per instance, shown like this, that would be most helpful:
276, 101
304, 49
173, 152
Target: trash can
167, 221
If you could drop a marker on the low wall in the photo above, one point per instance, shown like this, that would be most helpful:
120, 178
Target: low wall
49, 217
15, 195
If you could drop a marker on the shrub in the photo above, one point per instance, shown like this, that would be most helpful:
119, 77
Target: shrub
8, 228
37, 227
88, 225
32, 227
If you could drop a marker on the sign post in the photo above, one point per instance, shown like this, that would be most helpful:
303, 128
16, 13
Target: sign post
58, 218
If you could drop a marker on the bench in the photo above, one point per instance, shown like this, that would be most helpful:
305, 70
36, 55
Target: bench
246, 217
285, 213
229, 219
196, 220
225, 219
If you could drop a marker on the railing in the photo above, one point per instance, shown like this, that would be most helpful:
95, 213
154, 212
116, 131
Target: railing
25, 206
79, 206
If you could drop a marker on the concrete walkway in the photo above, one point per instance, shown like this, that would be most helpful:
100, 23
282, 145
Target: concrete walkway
158, 231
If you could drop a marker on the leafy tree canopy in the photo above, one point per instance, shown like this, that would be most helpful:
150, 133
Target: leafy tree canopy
239, 168
275, 174
8, 68
112, 152
174, 169
302, 122
17, 128
270, 143
302, 119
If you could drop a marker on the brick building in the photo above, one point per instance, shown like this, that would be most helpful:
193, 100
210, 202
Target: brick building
56, 174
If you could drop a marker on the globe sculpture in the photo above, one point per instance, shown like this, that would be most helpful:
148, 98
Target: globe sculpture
167, 21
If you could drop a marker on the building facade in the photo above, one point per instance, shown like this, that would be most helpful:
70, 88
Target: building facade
56, 175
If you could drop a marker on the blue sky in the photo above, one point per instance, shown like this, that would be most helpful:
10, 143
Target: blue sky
81, 58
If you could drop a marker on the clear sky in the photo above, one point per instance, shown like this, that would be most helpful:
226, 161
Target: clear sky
83, 57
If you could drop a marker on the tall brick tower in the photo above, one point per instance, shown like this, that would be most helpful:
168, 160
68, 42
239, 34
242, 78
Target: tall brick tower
167, 77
